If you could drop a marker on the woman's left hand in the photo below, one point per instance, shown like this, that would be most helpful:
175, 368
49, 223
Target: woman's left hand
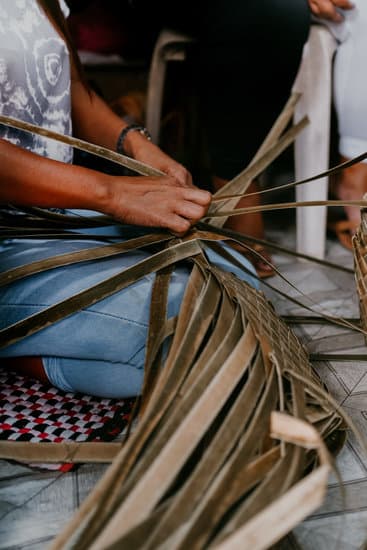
94, 121
140, 148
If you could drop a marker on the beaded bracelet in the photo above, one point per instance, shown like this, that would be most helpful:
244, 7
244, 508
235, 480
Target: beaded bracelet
136, 127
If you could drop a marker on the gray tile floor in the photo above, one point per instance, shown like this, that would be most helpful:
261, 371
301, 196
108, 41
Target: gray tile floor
341, 523
34, 506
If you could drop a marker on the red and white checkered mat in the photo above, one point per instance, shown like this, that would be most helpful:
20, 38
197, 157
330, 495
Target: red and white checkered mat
35, 412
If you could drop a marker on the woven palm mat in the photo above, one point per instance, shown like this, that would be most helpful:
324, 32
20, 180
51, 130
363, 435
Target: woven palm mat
36, 412
359, 241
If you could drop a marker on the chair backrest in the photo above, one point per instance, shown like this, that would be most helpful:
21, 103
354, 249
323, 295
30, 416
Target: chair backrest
314, 83
171, 45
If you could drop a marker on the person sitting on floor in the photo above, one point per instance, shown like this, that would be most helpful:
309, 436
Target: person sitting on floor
99, 350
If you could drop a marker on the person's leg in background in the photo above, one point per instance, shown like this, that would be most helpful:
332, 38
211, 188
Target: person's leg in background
350, 99
249, 56
246, 58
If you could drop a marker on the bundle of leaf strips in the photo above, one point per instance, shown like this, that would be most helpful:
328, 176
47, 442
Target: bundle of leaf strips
233, 420
203, 462
359, 241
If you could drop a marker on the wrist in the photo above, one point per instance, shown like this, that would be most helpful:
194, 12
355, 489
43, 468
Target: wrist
130, 137
101, 193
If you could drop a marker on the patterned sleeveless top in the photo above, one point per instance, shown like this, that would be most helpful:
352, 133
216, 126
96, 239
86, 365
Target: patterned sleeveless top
34, 77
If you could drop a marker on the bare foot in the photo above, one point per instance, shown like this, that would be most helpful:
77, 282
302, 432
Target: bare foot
351, 184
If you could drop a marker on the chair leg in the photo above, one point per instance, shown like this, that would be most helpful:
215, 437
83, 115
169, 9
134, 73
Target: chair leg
314, 82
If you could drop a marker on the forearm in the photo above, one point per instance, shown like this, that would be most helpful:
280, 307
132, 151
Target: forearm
30, 180
26, 179
93, 120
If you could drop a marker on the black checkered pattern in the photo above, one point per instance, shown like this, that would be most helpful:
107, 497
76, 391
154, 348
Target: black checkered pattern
32, 411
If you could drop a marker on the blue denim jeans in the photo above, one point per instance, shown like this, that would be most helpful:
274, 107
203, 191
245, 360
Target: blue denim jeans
99, 350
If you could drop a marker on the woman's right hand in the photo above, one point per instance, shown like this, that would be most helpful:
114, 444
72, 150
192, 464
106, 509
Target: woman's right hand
326, 9
160, 201
156, 202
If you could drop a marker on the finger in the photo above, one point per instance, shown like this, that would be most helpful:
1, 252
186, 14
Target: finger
344, 4
190, 210
178, 225
183, 176
197, 195
326, 9
314, 7
186, 179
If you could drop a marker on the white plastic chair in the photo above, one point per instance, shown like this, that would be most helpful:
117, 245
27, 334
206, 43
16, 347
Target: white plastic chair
170, 46
314, 82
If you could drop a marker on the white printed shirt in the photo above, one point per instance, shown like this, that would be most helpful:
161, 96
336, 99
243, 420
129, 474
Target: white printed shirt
34, 77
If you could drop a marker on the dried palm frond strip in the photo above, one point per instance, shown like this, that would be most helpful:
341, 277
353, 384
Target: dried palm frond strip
96, 253
285, 205
266, 244
240, 183
359, 241
330, 172
59, 452
281, 516
97, 150
94, 294
324, 314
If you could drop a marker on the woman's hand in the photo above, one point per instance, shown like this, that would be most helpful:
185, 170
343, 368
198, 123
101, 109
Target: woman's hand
140, 148
27, 179
327, 8
170, 201
156, 202
94, 121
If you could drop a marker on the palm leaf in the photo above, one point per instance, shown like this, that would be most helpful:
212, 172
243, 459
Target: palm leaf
234, 423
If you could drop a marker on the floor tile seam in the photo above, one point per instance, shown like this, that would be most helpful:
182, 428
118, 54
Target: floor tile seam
357, 456
331, 368
364, 375
348, 483
29, 543
336, 513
